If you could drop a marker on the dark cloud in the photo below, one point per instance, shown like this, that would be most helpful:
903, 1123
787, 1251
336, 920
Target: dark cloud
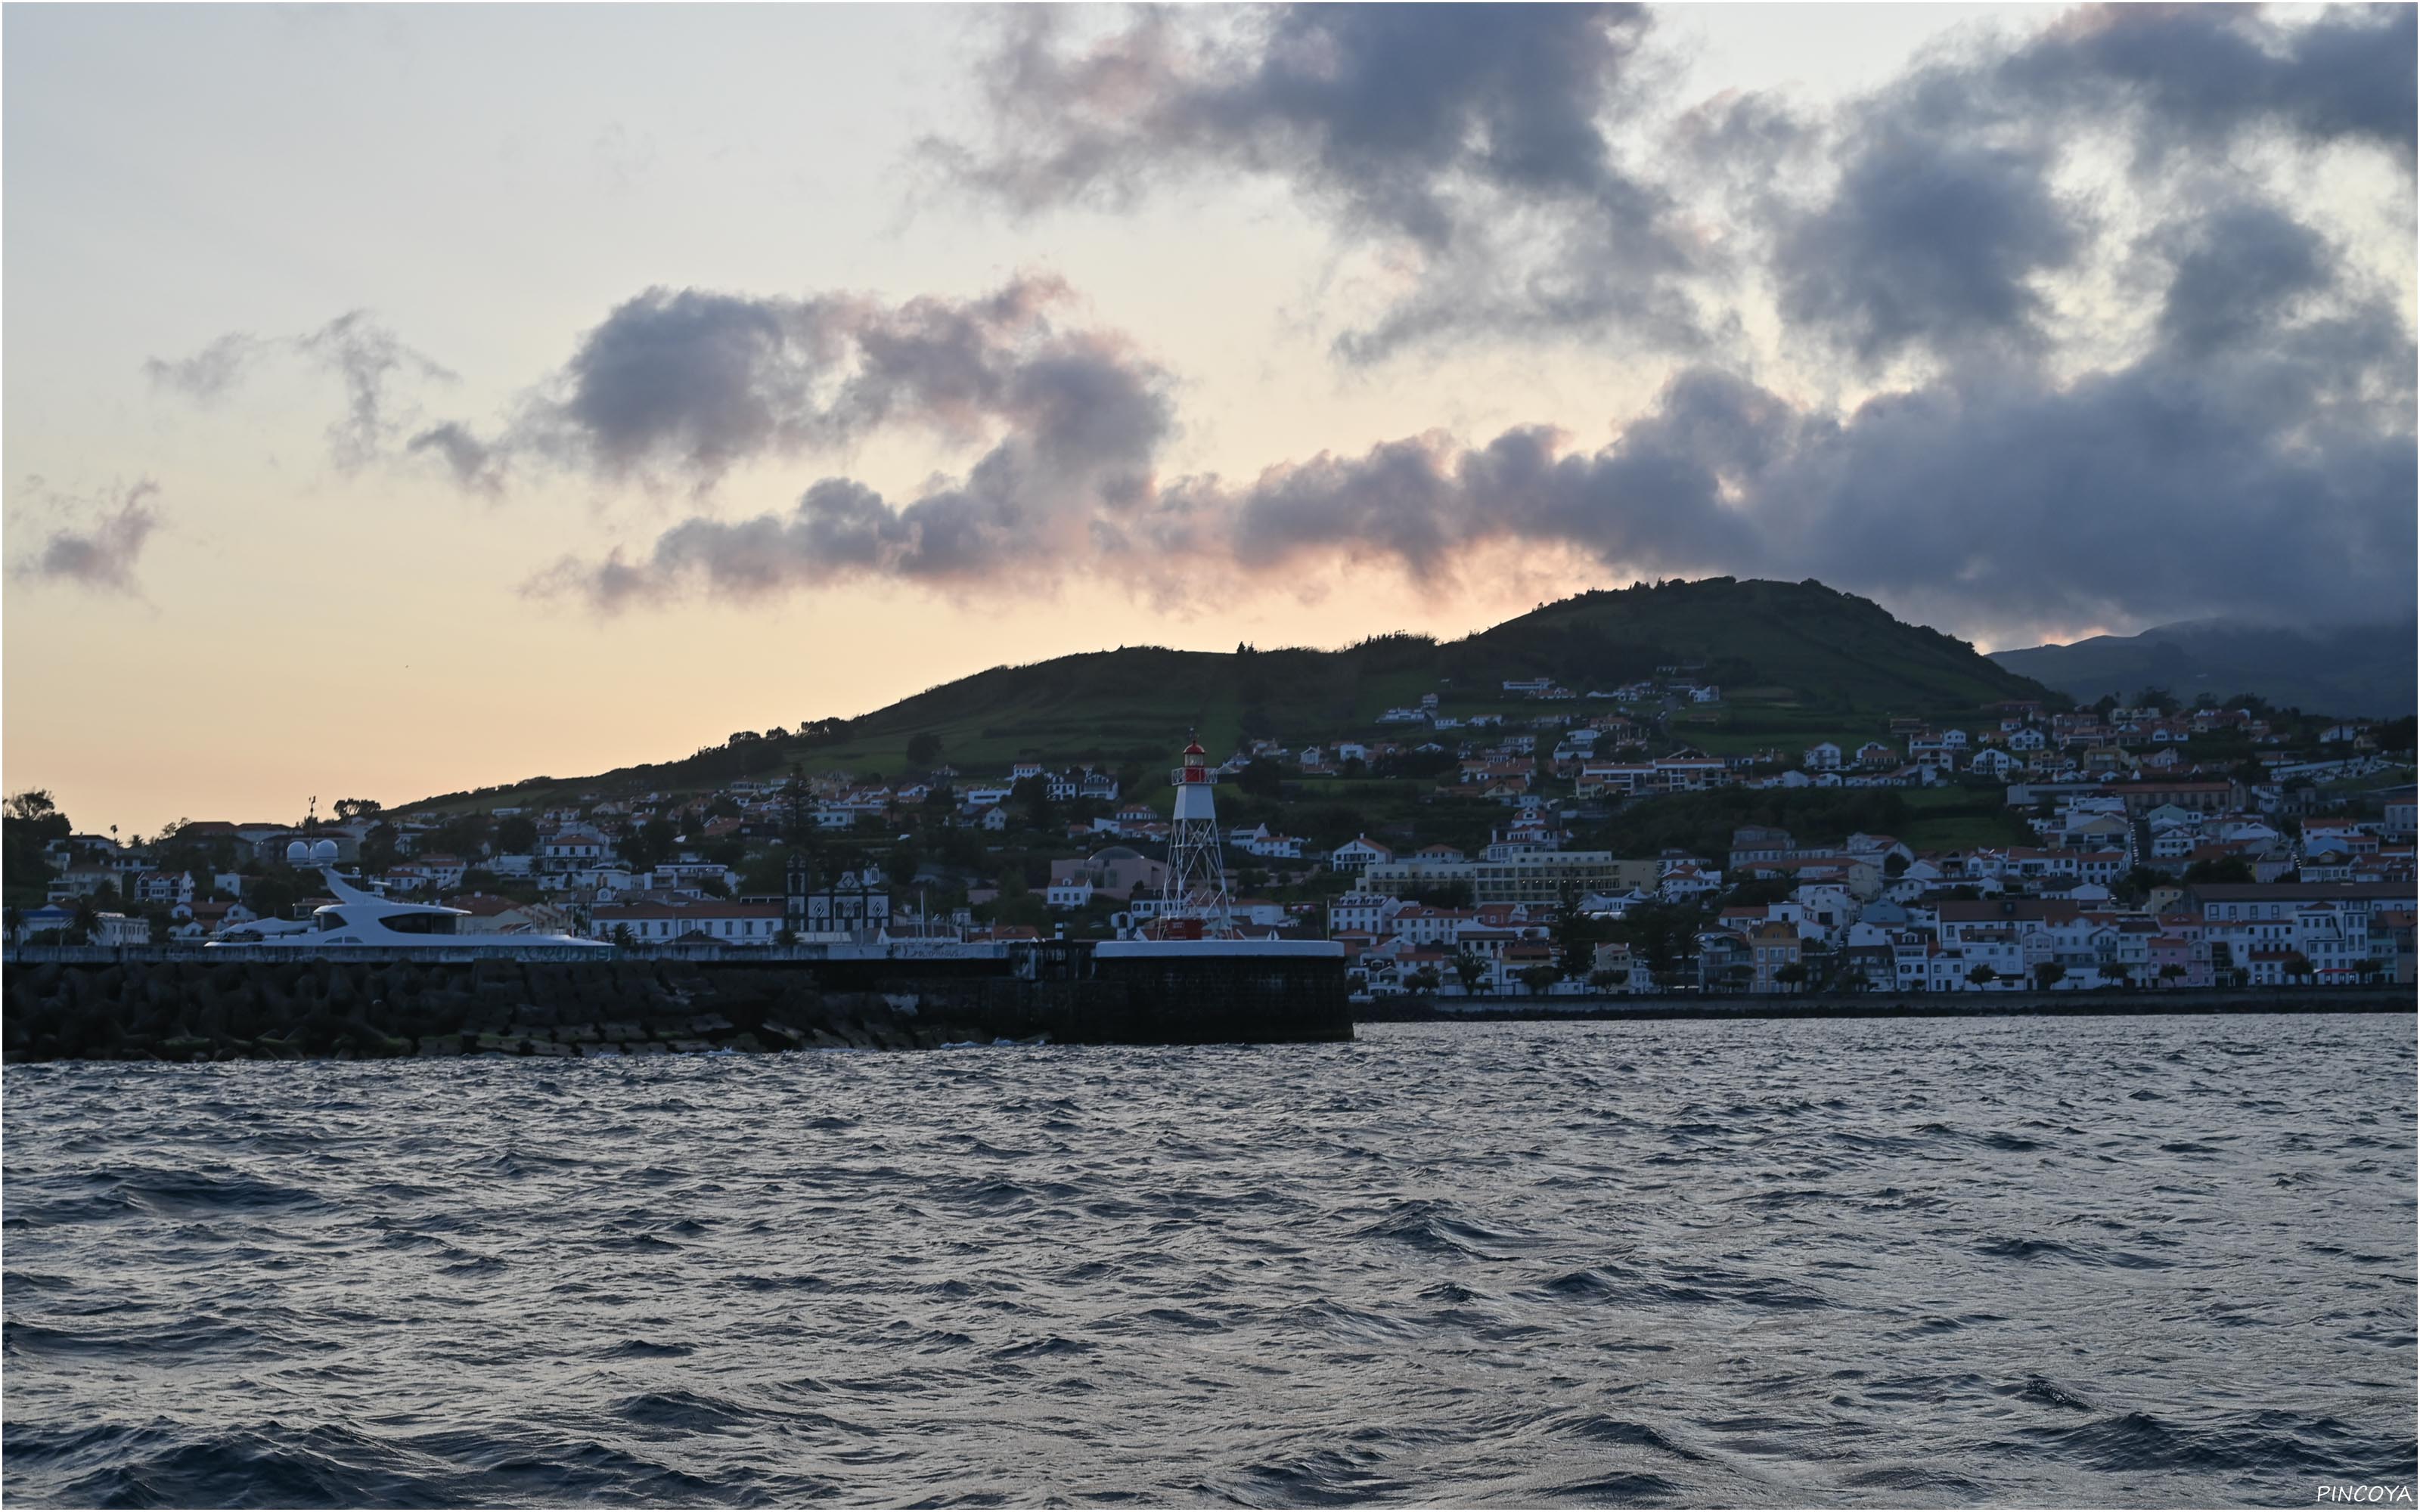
2237, 270
1472, 135
1084, 420
98, 551
2198, 76
1927, 242
2172, 488
1943, 233
2266, 469
692, 383
369, 360
1510, 157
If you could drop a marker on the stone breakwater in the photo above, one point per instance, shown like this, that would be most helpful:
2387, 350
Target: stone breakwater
188, 1011
2388, 998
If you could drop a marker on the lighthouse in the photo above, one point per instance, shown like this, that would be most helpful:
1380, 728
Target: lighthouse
1196, 976
1193, 904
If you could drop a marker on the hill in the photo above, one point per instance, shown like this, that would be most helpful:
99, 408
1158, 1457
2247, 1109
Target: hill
1797, 662
2357, 670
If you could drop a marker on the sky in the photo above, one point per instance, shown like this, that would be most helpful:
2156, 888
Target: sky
401, 399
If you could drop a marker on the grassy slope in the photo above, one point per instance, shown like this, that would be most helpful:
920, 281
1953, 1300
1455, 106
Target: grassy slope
1804, 664
2364, 670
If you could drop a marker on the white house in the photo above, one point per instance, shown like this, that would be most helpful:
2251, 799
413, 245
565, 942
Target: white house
122, 929
1070, 894
1359, 852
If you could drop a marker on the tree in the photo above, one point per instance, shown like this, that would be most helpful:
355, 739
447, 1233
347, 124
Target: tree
29, 821
379, 850
1424, 980
2370, 969
623, 938
351, 809
1575, 934
1471, 970
1791, 975
901, 864
2048, 975
2232, 868
1033, 793
923, 749
1537, 979
464, 835
1259, 778
2172, 973
2120, 971
516, 835
2138, 883
1982, 976
647, 846
34, 806
2298, 966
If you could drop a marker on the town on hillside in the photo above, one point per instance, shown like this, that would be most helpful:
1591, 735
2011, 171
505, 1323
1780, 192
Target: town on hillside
1538, 841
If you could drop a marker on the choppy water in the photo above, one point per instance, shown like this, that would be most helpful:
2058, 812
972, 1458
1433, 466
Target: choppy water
2105, 1260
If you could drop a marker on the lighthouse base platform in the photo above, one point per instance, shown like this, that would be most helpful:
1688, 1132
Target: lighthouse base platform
1224, 992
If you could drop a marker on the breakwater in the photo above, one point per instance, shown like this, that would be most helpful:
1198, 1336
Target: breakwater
209, 1009
2384, 998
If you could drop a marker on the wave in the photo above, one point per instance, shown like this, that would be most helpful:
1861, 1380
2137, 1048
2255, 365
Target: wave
1545, 1264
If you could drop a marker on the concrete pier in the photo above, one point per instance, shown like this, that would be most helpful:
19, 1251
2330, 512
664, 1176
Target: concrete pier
224, 1009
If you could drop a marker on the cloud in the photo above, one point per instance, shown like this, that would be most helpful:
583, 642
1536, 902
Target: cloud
689, 383
209, 374
476, 466
1513, 162
2237, 270
99, 551
2257, 457
1084, 420
2198, 77
1943, 234
1928, 241
366, 357
1472, 138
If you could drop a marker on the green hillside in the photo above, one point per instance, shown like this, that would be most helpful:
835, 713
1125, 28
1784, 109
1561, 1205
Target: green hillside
2354, 670
1797, 662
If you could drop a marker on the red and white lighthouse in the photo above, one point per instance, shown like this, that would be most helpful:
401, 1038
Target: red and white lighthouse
1193, 902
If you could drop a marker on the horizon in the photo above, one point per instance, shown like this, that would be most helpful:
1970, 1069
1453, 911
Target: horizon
381, 377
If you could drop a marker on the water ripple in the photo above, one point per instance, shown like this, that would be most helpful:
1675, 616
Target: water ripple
2068, 1261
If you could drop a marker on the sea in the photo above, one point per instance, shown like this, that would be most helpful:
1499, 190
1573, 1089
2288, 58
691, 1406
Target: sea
2063, 1262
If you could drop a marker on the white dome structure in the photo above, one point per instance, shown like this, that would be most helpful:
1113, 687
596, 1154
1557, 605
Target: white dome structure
297, 854
322, 852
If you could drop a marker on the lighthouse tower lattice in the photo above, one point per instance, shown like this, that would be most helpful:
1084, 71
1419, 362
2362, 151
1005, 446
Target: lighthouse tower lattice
1193, 904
